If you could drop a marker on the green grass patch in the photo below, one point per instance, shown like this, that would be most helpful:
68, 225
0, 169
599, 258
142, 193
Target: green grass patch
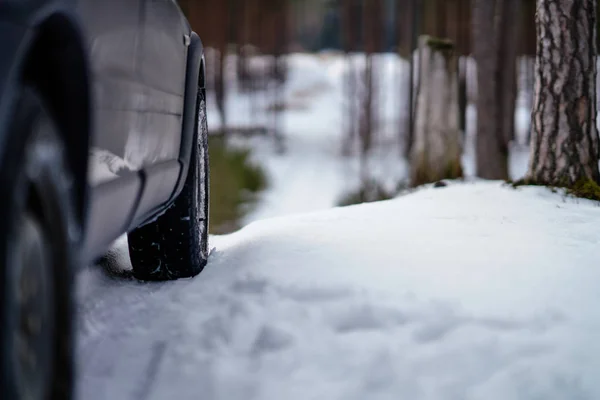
374, 191
424, 175
370, 192
235, 182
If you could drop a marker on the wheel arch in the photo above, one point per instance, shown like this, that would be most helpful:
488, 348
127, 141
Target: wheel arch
202, 72
55, 64
195, 78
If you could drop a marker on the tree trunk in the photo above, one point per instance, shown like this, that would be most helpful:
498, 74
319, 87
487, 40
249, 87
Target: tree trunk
222, 39
564, 145
366, 124
349, 14
437, 146
279, 70
495, 51
413, 35
506, 70
462, 95
461, 16
529, 88
373, 38
491, 153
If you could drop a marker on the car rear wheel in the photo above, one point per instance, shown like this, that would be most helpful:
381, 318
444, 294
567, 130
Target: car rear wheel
38, 242
176, 244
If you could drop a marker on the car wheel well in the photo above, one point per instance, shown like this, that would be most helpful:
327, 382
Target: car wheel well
202, 74
56, 67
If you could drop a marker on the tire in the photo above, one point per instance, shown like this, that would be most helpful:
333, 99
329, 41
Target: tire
39, 244
176, 244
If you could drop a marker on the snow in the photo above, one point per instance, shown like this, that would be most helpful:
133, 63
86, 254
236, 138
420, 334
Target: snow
472, 291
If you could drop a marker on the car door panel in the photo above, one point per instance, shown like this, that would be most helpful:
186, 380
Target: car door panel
112, 29
112, 33
164, 44
138, 55
156, 137
110, 210
162, 70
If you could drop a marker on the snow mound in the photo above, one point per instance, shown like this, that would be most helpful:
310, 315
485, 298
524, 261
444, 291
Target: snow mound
472, 291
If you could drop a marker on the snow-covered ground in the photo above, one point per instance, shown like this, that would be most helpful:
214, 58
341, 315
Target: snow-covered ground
473, 291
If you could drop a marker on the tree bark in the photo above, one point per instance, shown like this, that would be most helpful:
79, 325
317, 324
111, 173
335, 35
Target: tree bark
462, 94
350, 12
564, 143
494, 48
461, 16
437, 148
412, 44
506, 70
529, 88
279, 70
373, 40
221, 15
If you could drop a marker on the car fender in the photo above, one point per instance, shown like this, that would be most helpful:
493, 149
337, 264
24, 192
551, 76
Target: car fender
193, 77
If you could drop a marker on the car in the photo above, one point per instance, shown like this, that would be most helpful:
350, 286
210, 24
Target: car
102, 132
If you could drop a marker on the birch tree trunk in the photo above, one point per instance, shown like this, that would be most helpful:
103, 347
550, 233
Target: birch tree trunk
437, 147
564, 143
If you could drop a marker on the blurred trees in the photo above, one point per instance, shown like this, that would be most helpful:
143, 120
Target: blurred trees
437, 149
361, 29
407, 30
274, 27
447, 19
493, 33
350, 11
564, 145
373, 43
495, 52
251, 27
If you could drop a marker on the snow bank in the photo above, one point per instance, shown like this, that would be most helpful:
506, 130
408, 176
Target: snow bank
474, 291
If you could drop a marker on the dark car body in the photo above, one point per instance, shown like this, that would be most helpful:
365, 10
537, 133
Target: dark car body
121, 77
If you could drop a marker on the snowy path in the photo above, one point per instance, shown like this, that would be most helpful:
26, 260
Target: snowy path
308, 177
474, 291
